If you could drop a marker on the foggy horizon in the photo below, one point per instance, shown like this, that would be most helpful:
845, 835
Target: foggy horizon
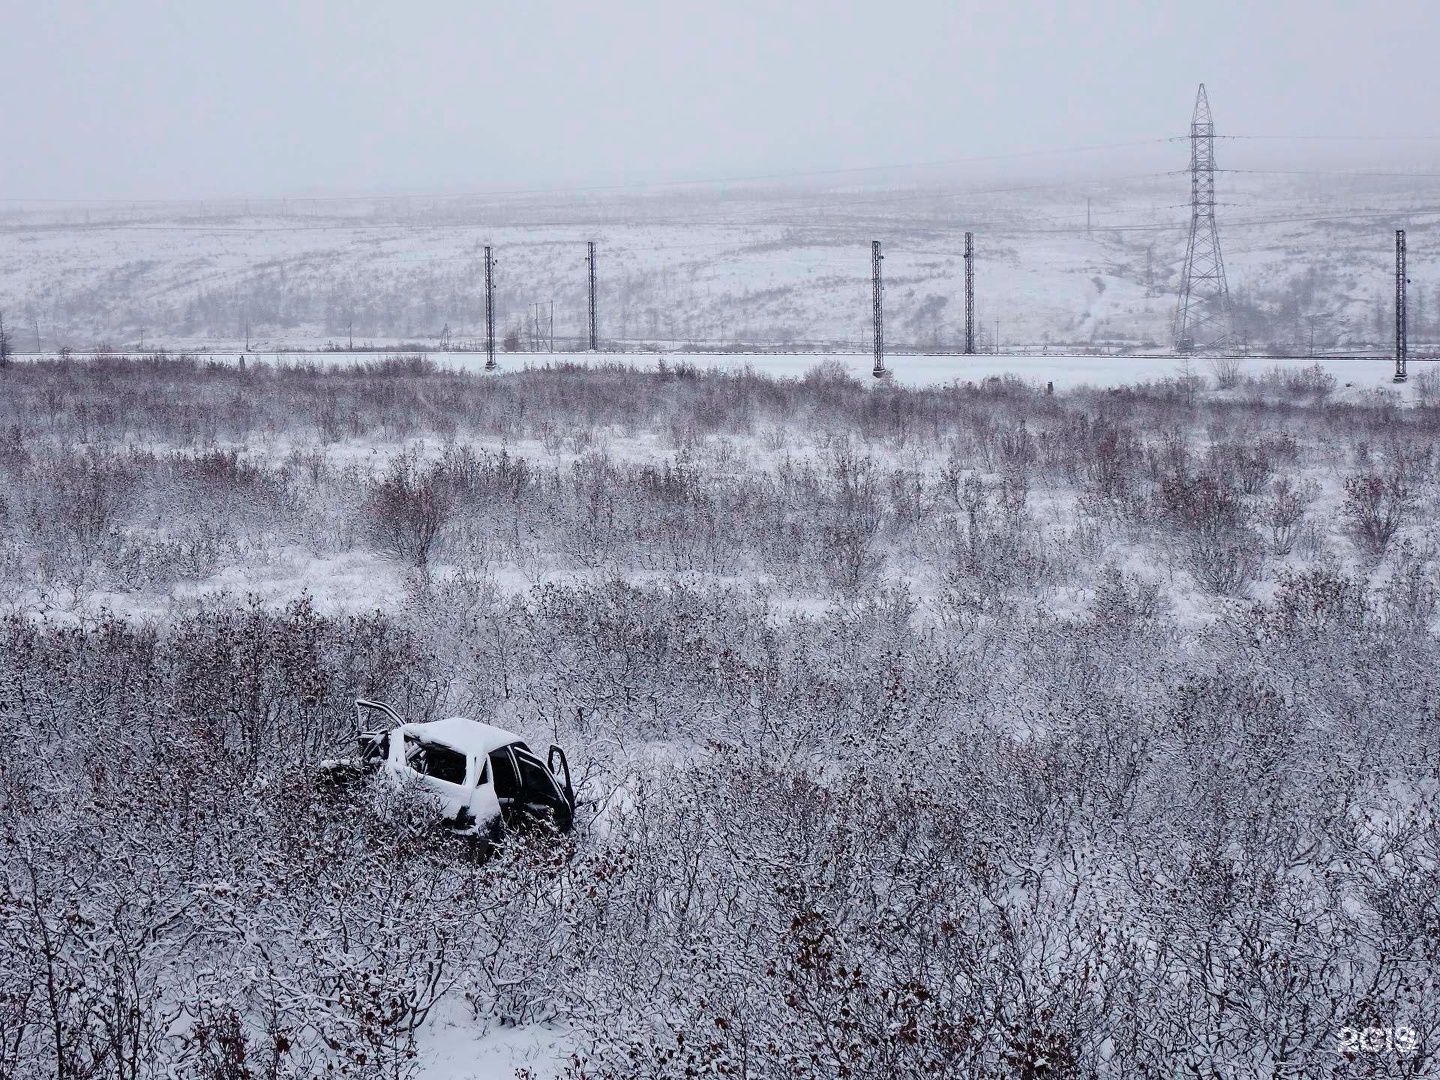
151, 104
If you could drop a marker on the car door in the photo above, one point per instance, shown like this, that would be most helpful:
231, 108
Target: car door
506, 779
525, 789
540, 795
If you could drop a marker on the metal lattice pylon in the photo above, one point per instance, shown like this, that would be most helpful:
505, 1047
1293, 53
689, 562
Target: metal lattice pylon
969, 294
1402, 337
877, 308
489, 311
591, 322
1203, 319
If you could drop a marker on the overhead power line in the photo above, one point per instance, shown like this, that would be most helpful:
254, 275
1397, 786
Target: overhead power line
1332, 172
1337, 138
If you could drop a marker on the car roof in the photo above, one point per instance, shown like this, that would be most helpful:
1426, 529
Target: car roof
462, 734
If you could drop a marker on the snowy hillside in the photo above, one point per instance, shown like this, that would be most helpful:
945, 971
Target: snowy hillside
1309, 261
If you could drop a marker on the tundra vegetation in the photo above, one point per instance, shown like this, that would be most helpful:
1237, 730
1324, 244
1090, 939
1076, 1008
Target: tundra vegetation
969, 731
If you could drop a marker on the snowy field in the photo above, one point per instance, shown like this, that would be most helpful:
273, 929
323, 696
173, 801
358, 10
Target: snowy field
1057, 714
1063, 372
1309, 262
1355, 376
925, 726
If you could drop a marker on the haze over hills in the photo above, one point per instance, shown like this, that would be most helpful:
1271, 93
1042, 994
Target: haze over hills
1066, 258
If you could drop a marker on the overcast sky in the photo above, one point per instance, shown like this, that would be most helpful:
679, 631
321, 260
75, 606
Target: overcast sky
140, 99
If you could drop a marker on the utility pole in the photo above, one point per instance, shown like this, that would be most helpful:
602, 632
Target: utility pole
877, 298
1401, 341
489, 311
594, 335
969, 294
1203, 317
1089, 234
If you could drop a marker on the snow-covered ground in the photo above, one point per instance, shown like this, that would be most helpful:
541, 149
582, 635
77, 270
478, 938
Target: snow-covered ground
936, 370
1309, 262
747, 593
1020, 598
454, 1046
1353, 375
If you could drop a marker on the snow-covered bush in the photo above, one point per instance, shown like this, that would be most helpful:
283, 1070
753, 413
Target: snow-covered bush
1377, 505
910, 748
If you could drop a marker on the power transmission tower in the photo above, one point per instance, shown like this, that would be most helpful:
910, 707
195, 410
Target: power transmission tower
1202, 321
594, 335
877, 293
542, 326
1402, 343
489, 311
969, 294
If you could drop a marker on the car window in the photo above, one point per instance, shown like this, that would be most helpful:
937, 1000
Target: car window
507, 784
536, 781
431, 759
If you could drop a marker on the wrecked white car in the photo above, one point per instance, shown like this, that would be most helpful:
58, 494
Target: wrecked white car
484, 779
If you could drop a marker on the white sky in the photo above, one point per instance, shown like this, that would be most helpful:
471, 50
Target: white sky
144, 99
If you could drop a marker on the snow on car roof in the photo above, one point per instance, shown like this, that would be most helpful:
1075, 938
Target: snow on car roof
462, 734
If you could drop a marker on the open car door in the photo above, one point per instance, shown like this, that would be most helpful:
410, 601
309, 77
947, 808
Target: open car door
527, 791
560, 772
